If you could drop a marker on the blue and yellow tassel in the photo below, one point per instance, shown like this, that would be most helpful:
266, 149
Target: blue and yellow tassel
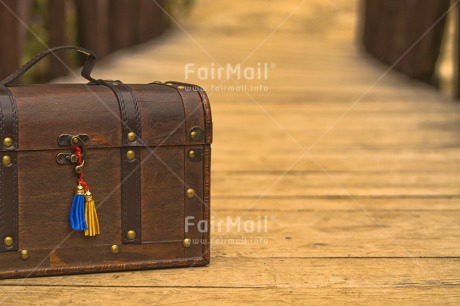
83, 215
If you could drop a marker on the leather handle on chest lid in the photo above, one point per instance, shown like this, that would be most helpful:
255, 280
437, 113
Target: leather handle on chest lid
86, 71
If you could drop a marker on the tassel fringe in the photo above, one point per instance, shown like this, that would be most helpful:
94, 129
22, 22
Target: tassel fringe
91, 216
77, 211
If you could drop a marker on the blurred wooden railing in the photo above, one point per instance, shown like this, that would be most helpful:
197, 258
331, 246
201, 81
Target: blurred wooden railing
103, 26
407, 34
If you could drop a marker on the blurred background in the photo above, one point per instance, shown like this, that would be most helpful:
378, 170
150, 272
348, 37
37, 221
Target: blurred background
103, 26
385, 29
348, 143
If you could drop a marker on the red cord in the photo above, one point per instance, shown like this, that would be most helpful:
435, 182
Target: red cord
80, 161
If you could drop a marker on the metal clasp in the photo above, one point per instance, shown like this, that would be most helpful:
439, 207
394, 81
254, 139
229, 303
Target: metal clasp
71, 158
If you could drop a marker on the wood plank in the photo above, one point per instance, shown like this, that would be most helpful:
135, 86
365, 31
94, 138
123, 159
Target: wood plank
300, 140
226, 296
324, 184
295, 273
273, 204
359, 232
277, 162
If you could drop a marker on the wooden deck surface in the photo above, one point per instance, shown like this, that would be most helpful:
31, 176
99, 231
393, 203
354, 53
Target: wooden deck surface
355, 168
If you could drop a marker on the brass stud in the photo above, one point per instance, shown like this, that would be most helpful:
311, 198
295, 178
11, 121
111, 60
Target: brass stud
8, 241
169, 84
8, 142
180, 87
191, 154
194, 135
115, 249
132, 136
190, 193
187, 242
6, 160
130, 155
131, 235
25, 254
75, 140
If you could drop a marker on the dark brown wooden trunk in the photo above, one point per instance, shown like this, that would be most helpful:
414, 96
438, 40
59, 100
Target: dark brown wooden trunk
168, 113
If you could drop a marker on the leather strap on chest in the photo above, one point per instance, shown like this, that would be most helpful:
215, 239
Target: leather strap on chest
8, 172
130, 161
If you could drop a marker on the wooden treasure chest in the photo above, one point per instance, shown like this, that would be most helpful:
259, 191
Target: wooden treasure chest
102, 176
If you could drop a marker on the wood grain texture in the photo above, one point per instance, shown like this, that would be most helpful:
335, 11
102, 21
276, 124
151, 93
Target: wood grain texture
48, 206
227, 296
396, 150
277, 273
292, 281
98, 117
163, 197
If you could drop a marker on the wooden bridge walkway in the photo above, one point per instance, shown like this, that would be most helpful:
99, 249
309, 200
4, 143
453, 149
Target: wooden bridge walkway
356, 169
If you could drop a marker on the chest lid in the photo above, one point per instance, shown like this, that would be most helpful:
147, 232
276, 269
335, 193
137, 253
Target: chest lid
167, 115
110, 113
